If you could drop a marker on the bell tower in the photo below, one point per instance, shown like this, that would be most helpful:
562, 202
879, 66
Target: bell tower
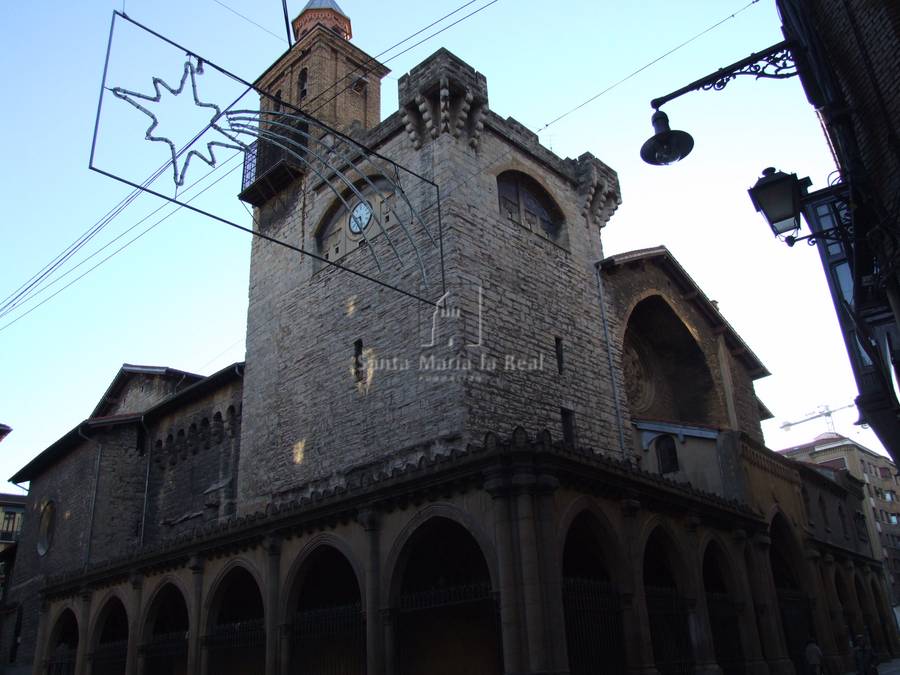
324, 74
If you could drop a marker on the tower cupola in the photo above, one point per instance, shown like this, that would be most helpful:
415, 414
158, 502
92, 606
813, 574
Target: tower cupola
326, 13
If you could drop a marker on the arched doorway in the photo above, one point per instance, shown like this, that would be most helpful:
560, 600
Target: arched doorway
667, 610
883, 615
870, 620
235, 641
448, 620
328, 627
63, 645
165, 642
845, 639
724, 615
793, 603
111, 640
594, 635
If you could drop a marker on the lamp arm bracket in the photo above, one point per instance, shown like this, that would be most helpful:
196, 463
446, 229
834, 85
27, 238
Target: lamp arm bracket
776, 62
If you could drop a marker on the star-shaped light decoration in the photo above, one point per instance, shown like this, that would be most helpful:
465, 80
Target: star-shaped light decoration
189, 71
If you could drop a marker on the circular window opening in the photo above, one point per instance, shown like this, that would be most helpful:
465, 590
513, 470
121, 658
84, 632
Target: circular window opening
45, 532
360, 217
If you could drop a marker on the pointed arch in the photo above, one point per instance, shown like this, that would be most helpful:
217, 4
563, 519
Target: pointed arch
595, 635
667, 374
442, 589
666, 578
324, 611
792, 586
723, 606
62, 646
109, 637
165, 627
235, 632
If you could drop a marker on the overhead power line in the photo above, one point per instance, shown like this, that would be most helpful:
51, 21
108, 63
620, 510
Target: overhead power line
41, 280
647, 65
249, 20
504, 156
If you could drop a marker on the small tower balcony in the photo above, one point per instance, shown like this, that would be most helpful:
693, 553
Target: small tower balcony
272, 163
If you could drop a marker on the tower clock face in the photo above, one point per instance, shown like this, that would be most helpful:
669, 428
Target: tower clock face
360, 217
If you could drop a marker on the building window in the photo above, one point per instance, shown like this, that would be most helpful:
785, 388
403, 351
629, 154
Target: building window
843, 518
559, 355
46, 528
893, 517
666, 454
568, 427
823, 511
301, 84
806, 505
525, 202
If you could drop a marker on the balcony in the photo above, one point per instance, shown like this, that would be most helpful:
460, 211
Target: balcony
270, 166
9, 536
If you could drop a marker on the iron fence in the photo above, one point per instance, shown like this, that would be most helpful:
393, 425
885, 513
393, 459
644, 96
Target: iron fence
724, 620
329, 641
594, 634
670, 632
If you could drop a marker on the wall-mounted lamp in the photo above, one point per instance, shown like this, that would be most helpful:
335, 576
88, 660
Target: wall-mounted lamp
666, 146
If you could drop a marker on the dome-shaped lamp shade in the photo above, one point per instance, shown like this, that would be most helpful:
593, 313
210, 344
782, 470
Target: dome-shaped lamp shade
666, 146
777, 196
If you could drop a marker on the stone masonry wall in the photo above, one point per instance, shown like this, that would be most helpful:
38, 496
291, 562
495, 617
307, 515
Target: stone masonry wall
315, 412
631, 283
193, 464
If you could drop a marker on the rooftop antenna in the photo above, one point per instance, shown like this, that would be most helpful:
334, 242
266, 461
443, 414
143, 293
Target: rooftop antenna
287, 21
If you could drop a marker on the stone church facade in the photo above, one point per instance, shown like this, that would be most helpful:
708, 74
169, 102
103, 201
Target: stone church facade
580, 487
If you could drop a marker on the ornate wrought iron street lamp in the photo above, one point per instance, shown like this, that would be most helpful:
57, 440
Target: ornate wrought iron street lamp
779, 197
667, 146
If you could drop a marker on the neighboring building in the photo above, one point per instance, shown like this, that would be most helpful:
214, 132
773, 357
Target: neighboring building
12, 508
561, 472
879, 476
846, 53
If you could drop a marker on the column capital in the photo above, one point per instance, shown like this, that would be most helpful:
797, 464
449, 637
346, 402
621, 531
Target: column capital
370, 518
136, 579
196, 564
630, 507
272, 544
762, 541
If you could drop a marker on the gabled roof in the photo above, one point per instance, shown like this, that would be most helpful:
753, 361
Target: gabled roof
323, 4
127, 371
76, 436
662, 257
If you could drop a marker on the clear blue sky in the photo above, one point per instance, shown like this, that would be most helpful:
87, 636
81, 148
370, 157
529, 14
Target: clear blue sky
177, 296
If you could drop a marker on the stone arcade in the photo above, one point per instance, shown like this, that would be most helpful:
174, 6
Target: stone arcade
605, 505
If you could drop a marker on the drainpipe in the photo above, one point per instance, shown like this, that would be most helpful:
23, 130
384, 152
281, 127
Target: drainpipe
87, 554
609, 360
146, 479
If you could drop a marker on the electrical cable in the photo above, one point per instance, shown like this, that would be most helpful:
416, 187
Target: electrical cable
28, 289
119, 250
425, 39
248, 20
504, 156
51, 283
653, 62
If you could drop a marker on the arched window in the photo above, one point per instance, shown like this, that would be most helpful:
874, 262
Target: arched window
823, 510
525, 202
301, 84
277, 103
842, 515
666, 454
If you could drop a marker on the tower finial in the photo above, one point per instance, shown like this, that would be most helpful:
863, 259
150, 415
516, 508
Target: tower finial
325, 12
